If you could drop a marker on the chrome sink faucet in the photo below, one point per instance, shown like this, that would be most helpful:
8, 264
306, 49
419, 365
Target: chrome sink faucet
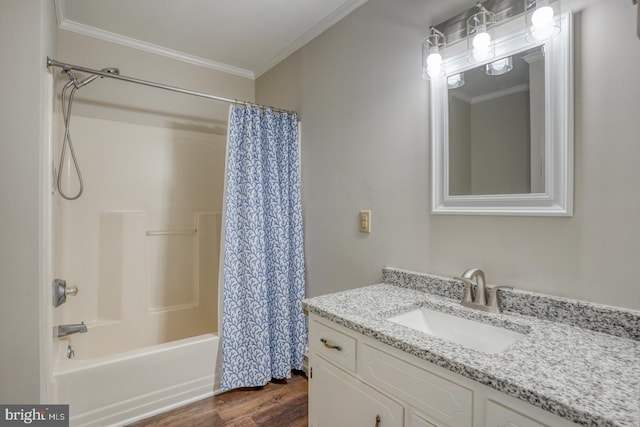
482, 293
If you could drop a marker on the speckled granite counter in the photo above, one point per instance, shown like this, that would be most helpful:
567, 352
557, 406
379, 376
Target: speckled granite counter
583, 369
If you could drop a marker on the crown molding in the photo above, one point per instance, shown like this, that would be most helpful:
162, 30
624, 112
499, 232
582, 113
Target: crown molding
315, 31
87, 30
60, 6
524, 87
66, 24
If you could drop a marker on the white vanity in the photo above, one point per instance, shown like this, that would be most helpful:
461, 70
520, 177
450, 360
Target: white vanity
365, 370
365, 380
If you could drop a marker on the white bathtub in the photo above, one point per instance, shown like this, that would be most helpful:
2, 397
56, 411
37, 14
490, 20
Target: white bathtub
126, 387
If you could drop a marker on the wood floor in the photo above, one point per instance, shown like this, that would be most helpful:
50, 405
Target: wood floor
274, 405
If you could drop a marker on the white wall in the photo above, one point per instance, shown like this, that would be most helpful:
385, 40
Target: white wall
27, 36
138, 290
365, 145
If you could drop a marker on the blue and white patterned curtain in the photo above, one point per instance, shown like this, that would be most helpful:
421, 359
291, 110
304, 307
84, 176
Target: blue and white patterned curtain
264, 331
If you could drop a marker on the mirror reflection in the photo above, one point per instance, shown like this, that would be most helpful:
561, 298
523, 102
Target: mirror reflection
497, 128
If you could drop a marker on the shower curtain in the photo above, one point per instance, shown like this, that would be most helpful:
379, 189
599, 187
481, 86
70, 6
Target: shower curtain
264, 331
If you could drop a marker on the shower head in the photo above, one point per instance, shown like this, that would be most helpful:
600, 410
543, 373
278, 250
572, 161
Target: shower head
67, 102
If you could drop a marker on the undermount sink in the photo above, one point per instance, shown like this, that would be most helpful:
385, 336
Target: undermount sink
469, 333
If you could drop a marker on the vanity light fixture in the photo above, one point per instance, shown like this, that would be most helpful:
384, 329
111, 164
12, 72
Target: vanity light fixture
540, 19
499, 67
431, 56
476, 25
455, 81
480, 43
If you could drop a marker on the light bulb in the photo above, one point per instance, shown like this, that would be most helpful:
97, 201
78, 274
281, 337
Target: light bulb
499, 67
453, 80
482, 39
499, 64
542, 17
434, 70
542, 33
434, 62
481, 54
434, 59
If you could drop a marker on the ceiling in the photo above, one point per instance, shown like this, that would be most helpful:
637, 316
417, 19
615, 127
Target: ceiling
242, 37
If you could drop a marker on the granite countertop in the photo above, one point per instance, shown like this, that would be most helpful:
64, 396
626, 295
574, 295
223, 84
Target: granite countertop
568, 364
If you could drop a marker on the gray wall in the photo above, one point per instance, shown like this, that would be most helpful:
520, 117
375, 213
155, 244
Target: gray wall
27, 36
485, 158
501, 155
365, 145
459, 146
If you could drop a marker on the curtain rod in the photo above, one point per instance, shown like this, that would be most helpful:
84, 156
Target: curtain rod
64, 66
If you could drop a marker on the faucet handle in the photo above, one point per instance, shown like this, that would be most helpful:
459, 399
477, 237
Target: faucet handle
493, 294
468, 293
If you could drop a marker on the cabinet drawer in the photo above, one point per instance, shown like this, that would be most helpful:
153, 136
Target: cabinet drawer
499, 416
443, 401
333, 345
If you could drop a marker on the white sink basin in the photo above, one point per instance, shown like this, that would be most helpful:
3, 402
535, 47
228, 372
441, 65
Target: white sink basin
469, 333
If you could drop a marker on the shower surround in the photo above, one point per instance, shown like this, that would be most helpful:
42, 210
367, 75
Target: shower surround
142, 245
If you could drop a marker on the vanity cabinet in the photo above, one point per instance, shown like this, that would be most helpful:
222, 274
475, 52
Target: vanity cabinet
356, 381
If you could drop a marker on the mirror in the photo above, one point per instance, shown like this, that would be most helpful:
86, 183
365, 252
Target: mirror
502, 131
496, 126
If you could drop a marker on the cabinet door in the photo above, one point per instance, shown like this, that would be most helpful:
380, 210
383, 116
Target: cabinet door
501, 416
417, 420
337, 399
439, 398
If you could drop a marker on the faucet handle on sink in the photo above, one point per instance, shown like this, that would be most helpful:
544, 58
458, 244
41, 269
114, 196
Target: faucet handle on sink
468, 292
493, 295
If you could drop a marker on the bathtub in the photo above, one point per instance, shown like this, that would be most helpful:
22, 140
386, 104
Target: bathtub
126, 387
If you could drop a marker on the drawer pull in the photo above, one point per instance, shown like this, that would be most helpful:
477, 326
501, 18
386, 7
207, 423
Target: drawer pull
331, 346
377, 420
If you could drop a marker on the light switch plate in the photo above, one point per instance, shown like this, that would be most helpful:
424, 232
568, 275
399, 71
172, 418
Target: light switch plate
365, 221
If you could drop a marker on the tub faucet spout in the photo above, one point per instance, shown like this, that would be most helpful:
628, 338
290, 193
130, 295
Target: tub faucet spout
64, 330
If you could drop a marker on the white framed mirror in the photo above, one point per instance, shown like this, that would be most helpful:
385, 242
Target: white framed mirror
502, 143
